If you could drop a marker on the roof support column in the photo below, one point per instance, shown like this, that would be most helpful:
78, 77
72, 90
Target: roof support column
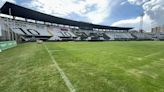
25, 20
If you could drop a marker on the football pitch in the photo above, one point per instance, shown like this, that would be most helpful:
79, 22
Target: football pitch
83, 67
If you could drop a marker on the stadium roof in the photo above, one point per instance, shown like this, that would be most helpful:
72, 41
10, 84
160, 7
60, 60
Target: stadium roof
23, 12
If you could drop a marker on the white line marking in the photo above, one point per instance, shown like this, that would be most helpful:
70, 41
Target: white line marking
65, 78
151, 55
56, 50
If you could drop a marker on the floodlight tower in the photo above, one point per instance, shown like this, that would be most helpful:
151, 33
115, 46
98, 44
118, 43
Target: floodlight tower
141, 22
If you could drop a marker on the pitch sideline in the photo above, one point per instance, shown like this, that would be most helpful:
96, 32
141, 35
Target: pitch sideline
65, 78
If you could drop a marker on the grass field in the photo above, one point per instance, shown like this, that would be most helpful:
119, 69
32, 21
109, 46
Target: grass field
90, 67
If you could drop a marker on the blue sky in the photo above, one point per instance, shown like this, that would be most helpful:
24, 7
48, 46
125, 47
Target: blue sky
106, 12
120, 12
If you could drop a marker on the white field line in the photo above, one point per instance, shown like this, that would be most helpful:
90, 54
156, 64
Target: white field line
151, 55
144, 57
59, 50
56, 50
65, 78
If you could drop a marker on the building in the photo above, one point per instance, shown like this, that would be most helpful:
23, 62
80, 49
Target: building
158, 29
24, 24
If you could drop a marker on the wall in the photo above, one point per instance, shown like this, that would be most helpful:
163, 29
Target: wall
7, 44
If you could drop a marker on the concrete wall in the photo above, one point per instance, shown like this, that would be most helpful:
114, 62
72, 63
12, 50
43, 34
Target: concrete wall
7, 44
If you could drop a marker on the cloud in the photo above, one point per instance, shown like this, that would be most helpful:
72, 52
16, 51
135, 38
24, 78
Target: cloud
123, 3
153, 8
137, 2
153, 14
95, 11
135, 23
3, 1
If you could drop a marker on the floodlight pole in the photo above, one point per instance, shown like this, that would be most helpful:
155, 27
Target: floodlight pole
141, 22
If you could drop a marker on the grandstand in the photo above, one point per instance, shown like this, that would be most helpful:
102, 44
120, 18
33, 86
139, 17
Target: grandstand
40, 26
158, 36
124, 60
24, 24
141, 36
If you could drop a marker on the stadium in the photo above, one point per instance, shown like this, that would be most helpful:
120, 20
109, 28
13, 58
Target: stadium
45, 53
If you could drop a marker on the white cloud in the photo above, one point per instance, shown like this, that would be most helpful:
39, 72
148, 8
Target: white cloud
123, 3
95, 11
3, 1
153, 8
138, 2
100, 13
154, 14
135, 23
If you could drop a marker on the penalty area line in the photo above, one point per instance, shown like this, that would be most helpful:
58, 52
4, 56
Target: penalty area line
65, 78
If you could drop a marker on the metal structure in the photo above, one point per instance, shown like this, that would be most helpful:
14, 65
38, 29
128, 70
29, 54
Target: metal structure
19, 11
141, 23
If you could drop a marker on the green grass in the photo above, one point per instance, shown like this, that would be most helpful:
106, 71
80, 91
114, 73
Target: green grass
90, 66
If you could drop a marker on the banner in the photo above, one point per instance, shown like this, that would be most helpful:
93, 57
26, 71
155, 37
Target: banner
7, 44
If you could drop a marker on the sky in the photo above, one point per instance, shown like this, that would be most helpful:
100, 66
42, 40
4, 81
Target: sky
123, 13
